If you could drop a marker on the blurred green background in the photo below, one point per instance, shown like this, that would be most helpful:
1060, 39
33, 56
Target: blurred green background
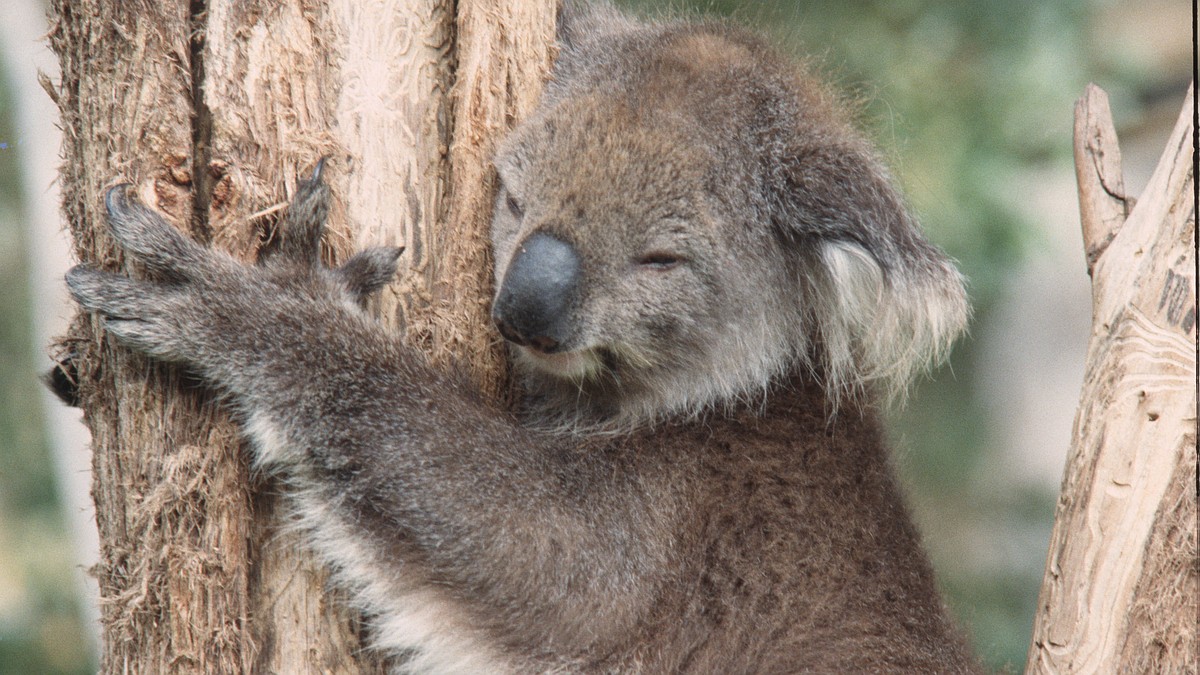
972, 102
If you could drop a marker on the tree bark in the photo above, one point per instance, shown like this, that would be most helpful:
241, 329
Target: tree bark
1119, 594
213, 108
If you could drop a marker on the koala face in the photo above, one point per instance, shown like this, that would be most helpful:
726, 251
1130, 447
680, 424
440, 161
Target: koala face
686, 218
619, 273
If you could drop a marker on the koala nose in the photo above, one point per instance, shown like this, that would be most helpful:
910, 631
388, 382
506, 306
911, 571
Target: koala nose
533, 306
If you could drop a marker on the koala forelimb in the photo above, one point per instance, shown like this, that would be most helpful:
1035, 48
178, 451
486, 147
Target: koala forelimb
696, 259
361, 424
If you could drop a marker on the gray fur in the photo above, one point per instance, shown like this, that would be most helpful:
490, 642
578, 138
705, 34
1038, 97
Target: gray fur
679, 496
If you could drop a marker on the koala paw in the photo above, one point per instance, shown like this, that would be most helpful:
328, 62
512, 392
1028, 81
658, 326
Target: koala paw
298, 246
201, 306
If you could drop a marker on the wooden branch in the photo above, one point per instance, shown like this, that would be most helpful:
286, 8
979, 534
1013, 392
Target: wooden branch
1103, 204
1119, 594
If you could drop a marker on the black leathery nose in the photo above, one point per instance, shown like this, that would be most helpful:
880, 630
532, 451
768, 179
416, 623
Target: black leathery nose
539, 289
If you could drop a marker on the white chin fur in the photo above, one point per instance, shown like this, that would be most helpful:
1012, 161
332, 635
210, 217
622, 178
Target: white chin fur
576, 365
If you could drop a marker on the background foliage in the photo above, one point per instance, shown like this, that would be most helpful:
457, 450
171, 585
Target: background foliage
40, 626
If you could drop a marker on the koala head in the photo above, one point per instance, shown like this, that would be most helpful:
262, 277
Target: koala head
687, 217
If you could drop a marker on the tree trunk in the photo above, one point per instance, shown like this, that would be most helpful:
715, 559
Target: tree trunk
1119, 595
213, 108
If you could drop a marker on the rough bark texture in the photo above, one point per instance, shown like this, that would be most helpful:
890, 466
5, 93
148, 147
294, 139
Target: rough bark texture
1120, 589
171, 495
213, 109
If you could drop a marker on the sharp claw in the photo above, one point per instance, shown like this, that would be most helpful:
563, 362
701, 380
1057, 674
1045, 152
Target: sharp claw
316, 174
115, 197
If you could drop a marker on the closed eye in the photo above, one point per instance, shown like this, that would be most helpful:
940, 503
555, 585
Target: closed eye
660, 261
514, 207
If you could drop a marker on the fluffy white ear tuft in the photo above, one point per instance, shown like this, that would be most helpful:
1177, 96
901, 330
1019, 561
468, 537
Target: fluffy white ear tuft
878, 328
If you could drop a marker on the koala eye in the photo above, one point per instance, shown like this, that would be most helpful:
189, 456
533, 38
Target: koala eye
660, 261
514, 207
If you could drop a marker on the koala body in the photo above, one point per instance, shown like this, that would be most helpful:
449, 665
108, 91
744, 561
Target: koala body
708, 278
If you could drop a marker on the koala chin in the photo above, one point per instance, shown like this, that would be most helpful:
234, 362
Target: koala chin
709, 283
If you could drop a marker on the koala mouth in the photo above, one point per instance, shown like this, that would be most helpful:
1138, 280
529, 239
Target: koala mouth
574, 365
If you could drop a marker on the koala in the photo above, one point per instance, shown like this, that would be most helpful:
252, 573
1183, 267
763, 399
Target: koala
710, 285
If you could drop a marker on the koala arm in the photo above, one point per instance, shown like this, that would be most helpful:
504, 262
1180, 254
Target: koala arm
394, 465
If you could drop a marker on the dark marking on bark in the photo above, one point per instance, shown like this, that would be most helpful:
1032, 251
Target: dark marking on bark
203, 178
1178, 301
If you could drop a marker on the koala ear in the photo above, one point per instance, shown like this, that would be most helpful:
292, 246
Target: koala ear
885, 304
